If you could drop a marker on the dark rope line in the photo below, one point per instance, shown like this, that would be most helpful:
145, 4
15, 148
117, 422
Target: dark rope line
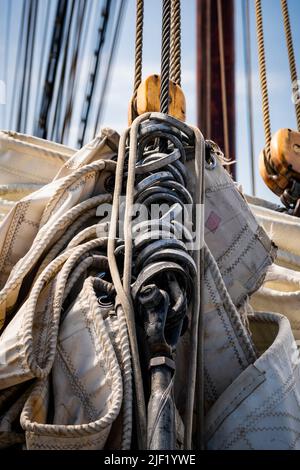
93, 74
106, 79
24, 88
138, 45
175, 72
18, 63
56, 125
42, 62
81, 14
32, 47
51, 73
248, 70
165, 57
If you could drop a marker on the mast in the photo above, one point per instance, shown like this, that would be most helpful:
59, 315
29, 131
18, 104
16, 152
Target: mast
210, 104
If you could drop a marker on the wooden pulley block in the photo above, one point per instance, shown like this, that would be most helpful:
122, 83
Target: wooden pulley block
148, 99
283, 166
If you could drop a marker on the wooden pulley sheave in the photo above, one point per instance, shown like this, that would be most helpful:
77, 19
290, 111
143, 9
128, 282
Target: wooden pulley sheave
279, 161
159, 92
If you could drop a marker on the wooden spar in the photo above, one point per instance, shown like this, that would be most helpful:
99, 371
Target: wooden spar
209, 89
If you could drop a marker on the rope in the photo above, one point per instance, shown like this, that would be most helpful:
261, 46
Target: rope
165, 56
110, 361
196, 362
124, 298
127, 380
247, 54
106, 79
175, 72
223, 78
233, 315
138, 45
263, 75
208, 69
291, 54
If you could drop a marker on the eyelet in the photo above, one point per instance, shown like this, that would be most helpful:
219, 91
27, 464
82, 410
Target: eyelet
211, 163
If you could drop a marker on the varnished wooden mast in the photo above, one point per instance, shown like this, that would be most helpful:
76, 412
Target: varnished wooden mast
209, 91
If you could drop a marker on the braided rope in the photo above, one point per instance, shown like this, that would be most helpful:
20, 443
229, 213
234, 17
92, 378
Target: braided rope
112, 366
231, 310
291, 54
43, 239
165, 57
87, 171
175, 71
122, 296
87, 234
70, 258
63, 241
127, 380
263, 75
196, 359
138, 45
98, 262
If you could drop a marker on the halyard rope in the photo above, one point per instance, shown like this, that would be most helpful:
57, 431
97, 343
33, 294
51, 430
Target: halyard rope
175, 72
138, 45
165, 56
263, 75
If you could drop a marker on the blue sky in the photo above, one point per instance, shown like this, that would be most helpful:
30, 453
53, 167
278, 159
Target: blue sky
120, 84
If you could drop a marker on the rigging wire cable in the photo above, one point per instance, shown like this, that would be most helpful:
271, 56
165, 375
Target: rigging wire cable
81, 14
223, 78
28, 85
56, 125
7, 55
165, 57
42, 60
208, 69
107, 74
248, 70
52, 66
24, 88
105, 15
18, 61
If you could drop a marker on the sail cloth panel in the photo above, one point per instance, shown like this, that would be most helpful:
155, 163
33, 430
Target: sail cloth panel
57, 263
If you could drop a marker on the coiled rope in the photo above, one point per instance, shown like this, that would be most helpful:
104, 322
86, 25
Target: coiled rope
291, 54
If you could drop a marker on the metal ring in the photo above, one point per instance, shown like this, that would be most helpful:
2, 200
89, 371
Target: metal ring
211, 163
